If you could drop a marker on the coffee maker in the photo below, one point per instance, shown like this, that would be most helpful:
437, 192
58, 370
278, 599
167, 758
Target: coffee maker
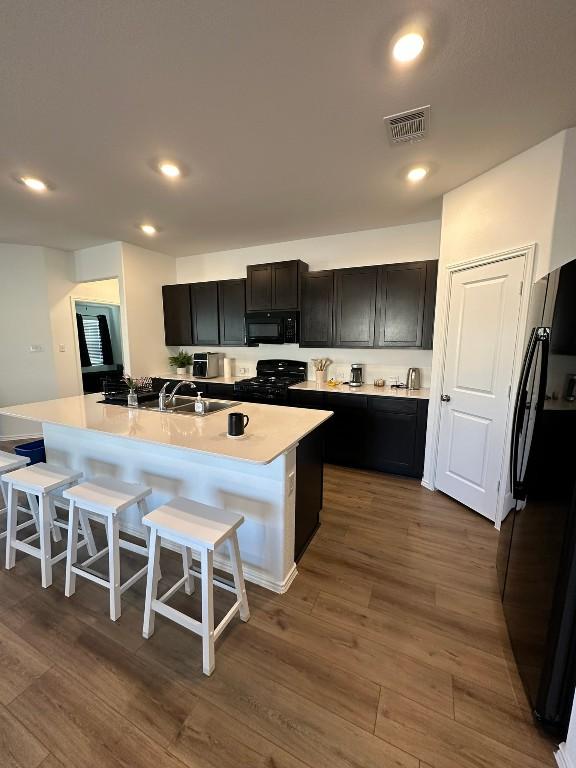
356, 377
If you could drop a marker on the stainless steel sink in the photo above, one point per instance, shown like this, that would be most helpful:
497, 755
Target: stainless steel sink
185, 404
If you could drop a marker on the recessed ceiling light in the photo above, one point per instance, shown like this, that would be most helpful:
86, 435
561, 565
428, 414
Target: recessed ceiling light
417, 174
170, 170
148, 229
408, 47
36, 184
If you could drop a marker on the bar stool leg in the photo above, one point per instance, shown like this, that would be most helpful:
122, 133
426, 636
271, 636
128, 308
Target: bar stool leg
234, 553
56, 533
33, 504
87, 533
11, 522
187, 565
152, 579
143, 509
114, 567
45, 546
71, 550
206, 561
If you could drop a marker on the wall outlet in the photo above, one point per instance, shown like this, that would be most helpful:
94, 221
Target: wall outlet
61, 347
243, 371
35, 348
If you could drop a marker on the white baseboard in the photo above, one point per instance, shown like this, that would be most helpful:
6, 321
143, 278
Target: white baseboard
563, 758
427, 485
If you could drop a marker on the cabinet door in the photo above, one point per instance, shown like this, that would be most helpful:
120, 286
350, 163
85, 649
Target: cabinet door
232, 308
219, 391
303, 398
205, 313
429, 303
177, 315
396, 435
400, 305
346, 430
355, 306
317, 305
259, 287
285, 285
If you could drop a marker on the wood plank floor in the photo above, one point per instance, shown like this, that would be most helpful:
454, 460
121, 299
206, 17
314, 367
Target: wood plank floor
389, 651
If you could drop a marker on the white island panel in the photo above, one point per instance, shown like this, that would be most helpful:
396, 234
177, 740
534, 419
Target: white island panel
263, 493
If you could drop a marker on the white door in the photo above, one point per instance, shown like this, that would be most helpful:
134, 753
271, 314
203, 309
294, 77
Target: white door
483, 321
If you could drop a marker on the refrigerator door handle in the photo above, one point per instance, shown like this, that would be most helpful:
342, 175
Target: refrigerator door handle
538, 336
520, 410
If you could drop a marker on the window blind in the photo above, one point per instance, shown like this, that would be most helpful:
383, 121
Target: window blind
93, 339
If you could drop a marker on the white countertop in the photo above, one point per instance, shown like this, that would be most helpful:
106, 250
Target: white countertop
365, 389
273, 429
311, 386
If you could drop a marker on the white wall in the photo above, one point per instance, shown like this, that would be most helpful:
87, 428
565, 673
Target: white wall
414, 242
528, 199
144, 274
99, 262
24, 322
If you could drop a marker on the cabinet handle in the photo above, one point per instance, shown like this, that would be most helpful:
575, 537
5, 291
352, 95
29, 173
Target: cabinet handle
445, 398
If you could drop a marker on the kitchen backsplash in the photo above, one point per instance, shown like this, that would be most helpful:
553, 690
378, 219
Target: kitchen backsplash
388, 364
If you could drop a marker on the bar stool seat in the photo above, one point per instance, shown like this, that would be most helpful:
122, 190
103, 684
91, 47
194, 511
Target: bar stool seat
202, 528
105, 498
43, 481
8, 463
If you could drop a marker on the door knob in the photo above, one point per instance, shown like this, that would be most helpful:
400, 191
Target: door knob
445, 398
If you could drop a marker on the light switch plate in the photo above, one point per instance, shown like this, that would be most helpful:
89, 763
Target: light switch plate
35, 348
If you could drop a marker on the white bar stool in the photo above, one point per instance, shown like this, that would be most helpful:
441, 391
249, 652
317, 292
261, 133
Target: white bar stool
199, 527
105, 498
8, 463
42, 481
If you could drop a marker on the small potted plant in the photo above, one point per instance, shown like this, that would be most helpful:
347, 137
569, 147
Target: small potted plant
132, 384
180, 361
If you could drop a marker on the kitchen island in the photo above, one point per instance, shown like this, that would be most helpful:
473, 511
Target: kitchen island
272, 475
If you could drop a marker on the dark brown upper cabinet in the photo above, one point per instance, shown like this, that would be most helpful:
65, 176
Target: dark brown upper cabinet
400, 305
177, 315
205, 313
231, 309
355, 306
316, 309
274, 286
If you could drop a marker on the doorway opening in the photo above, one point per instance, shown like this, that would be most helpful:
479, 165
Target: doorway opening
97, 321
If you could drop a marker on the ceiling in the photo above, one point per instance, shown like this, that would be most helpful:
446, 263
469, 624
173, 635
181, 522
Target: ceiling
274, 107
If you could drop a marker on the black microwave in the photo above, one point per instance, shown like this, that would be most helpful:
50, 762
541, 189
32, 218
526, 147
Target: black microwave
274, 327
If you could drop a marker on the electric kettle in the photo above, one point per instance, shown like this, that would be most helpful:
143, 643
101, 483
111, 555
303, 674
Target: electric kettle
413, 378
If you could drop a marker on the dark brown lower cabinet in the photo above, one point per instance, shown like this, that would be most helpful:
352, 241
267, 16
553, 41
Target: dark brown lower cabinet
387, 434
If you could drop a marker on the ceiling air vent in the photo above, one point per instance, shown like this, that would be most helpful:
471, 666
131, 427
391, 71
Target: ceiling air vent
408, 126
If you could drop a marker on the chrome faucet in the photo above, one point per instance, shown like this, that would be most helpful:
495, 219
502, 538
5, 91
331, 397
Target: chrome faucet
164, 399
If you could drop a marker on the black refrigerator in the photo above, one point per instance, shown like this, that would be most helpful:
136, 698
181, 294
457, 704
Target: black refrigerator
537, 548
